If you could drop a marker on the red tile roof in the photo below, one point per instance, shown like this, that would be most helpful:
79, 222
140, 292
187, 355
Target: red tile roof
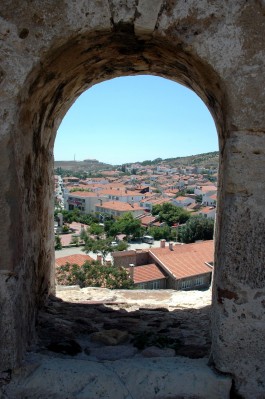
181, 198
119, 206
185, 260
147, 220
207, 189
142, 274
77, 259
207, 209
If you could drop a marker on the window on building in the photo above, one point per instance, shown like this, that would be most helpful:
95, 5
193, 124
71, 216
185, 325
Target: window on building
154, 285
199, 281
186, 284
142, 286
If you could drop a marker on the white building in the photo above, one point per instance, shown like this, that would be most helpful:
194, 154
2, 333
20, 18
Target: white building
183, 202
208, 212
84, 201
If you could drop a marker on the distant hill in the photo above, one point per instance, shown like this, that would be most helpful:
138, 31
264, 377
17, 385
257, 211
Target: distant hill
207, 160
88, 165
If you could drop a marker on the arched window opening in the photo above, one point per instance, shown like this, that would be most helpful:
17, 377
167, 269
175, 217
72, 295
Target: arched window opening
135, 178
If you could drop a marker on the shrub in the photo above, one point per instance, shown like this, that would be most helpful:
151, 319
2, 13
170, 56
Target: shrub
93, 274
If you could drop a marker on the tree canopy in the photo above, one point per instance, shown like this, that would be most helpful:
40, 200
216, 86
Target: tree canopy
76, 216
102, 246
126, 224
196, 228
170, 213
93, 274
161, 233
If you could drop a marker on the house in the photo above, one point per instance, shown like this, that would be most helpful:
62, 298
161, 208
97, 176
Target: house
208, 212
70, 179
209, 199
203, 189
184, 267
183, 202
85, 201
148, 276
187, 266
123, 195
118, 208
144, 273
148, 203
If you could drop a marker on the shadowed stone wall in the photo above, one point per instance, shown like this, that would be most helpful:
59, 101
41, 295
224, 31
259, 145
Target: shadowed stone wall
51, 51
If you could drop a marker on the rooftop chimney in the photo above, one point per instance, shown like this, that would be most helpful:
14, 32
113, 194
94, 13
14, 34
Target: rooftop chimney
171, 246
131, 270
162, 243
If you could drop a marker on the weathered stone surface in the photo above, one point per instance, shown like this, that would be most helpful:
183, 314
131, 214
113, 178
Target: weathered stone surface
51, 53
154, 351
112, 352
110, 337
68, 347
123, 379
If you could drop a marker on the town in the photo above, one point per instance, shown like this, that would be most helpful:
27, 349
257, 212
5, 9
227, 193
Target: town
146, 225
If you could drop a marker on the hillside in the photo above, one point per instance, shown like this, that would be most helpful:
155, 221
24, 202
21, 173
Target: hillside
207, 160
88, 165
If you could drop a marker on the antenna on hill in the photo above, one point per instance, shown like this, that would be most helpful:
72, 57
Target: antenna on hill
74, 157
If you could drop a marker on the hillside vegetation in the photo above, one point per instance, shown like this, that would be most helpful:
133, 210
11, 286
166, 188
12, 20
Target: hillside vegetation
207, 160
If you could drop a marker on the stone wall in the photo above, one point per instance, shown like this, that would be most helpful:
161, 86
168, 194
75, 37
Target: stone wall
50, 53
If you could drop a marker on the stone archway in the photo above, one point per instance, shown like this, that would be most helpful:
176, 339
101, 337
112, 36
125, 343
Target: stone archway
51, 54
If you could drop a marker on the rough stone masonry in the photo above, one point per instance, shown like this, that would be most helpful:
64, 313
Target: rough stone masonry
51, 51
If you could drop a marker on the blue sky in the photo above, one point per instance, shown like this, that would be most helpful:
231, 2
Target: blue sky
135, 118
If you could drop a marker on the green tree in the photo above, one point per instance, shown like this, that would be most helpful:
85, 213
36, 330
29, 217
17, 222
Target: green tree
160, 233
96, 229
122, 246
102, 247
126, 224
83, 234
58, 243
170, 214
95, 275
196, 228
76, 216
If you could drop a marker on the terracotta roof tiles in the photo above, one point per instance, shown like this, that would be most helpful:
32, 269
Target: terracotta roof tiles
142, 274
119, 206
78, 259
185, 260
